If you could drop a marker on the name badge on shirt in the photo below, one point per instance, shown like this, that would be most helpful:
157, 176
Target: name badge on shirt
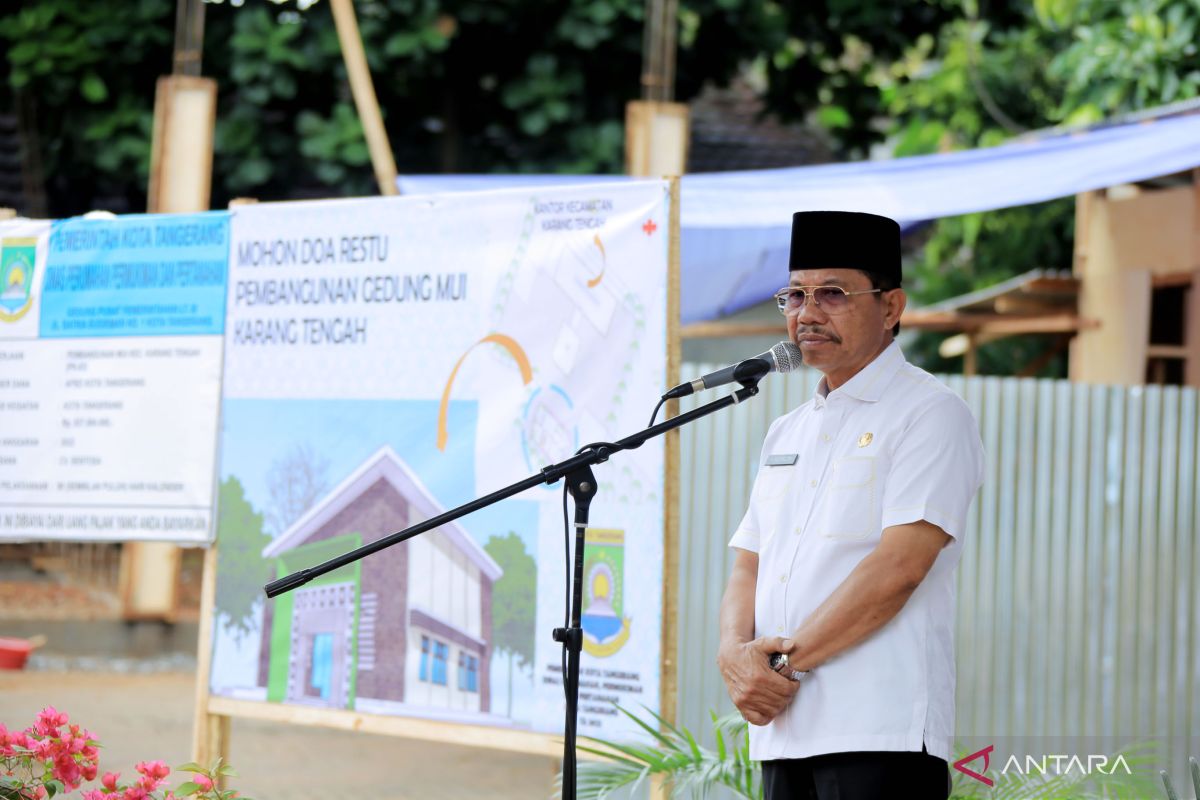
782, 459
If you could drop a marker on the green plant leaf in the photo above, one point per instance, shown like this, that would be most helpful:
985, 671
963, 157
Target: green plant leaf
93, 89
833, 117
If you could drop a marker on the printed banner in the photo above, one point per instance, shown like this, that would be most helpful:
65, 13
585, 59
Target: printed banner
110, 369
387, 360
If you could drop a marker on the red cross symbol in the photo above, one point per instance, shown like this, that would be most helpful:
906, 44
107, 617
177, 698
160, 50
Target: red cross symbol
649, 227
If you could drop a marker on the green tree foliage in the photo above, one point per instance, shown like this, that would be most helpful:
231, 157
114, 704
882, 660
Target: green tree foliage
514, 602
241, 570
522, 85
986, 77
465, 85
1122, 54
88, 70
833, 60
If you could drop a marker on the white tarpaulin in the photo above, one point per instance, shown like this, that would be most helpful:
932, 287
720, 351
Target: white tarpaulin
735, 225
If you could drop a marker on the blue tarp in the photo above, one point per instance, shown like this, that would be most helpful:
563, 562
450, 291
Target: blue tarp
735, 225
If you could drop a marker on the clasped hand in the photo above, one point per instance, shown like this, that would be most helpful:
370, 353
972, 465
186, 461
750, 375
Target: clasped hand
759, 692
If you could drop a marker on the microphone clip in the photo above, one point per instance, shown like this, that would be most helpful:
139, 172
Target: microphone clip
751, 371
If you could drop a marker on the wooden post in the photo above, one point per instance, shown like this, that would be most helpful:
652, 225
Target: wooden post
659, 32
656, 138
189, 37
364, 96
149, 581
210, 732
1196, 218
970, 363
1191, 333
669, 677
181, 151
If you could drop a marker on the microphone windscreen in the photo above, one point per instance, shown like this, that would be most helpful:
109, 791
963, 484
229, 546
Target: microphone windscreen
787, 357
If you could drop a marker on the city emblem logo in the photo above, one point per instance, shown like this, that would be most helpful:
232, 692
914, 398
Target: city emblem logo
17, 259
605, 629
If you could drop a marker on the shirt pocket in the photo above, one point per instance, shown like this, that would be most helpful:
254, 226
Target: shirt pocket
771, 491
851, 507
773, 482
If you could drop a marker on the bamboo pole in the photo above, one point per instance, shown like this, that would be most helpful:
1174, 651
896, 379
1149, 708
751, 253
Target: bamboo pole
210, 732
669, 671
365, 101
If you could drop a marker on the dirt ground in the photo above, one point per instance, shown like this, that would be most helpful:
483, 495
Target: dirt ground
149, 716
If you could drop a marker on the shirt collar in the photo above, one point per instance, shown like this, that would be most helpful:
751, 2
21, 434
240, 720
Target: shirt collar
869, 382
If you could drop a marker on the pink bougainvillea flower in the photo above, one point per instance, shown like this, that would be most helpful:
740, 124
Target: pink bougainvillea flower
109, 781
157, 769
67, 770
203, 781
49, 720
17, 739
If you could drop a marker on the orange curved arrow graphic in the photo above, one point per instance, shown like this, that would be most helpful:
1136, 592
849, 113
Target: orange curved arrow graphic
594, 282
514, 349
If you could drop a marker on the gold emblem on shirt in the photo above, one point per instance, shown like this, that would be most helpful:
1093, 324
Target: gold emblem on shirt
865, 439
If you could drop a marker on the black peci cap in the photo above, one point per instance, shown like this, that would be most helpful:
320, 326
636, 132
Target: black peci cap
847, 240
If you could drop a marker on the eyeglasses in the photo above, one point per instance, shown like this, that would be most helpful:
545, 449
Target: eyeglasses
830, 299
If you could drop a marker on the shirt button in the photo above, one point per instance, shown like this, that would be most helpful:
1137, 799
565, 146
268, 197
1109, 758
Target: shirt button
812, 484
783, 578
824, 437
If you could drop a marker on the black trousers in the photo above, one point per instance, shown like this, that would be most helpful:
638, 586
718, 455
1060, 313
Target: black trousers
857, 776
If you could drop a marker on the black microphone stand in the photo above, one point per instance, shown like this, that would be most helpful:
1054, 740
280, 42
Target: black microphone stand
581, 485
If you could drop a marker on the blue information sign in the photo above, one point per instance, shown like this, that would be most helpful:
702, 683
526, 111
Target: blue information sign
137, 275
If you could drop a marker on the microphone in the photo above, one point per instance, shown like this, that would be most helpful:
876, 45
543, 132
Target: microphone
783, 357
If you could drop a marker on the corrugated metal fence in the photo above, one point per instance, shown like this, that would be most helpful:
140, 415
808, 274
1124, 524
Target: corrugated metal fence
1079, 588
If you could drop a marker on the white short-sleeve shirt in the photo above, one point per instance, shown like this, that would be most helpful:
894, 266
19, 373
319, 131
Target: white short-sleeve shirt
892, 445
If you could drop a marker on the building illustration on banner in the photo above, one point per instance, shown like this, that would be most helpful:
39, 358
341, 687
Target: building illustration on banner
408, 628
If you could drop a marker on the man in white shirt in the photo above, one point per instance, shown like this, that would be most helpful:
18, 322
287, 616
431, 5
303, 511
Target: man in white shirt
837, 624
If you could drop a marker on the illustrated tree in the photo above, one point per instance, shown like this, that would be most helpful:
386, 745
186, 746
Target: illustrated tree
514, 603
296, 480
241, 570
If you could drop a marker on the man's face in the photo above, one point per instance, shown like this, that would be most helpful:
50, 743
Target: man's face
841, 344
